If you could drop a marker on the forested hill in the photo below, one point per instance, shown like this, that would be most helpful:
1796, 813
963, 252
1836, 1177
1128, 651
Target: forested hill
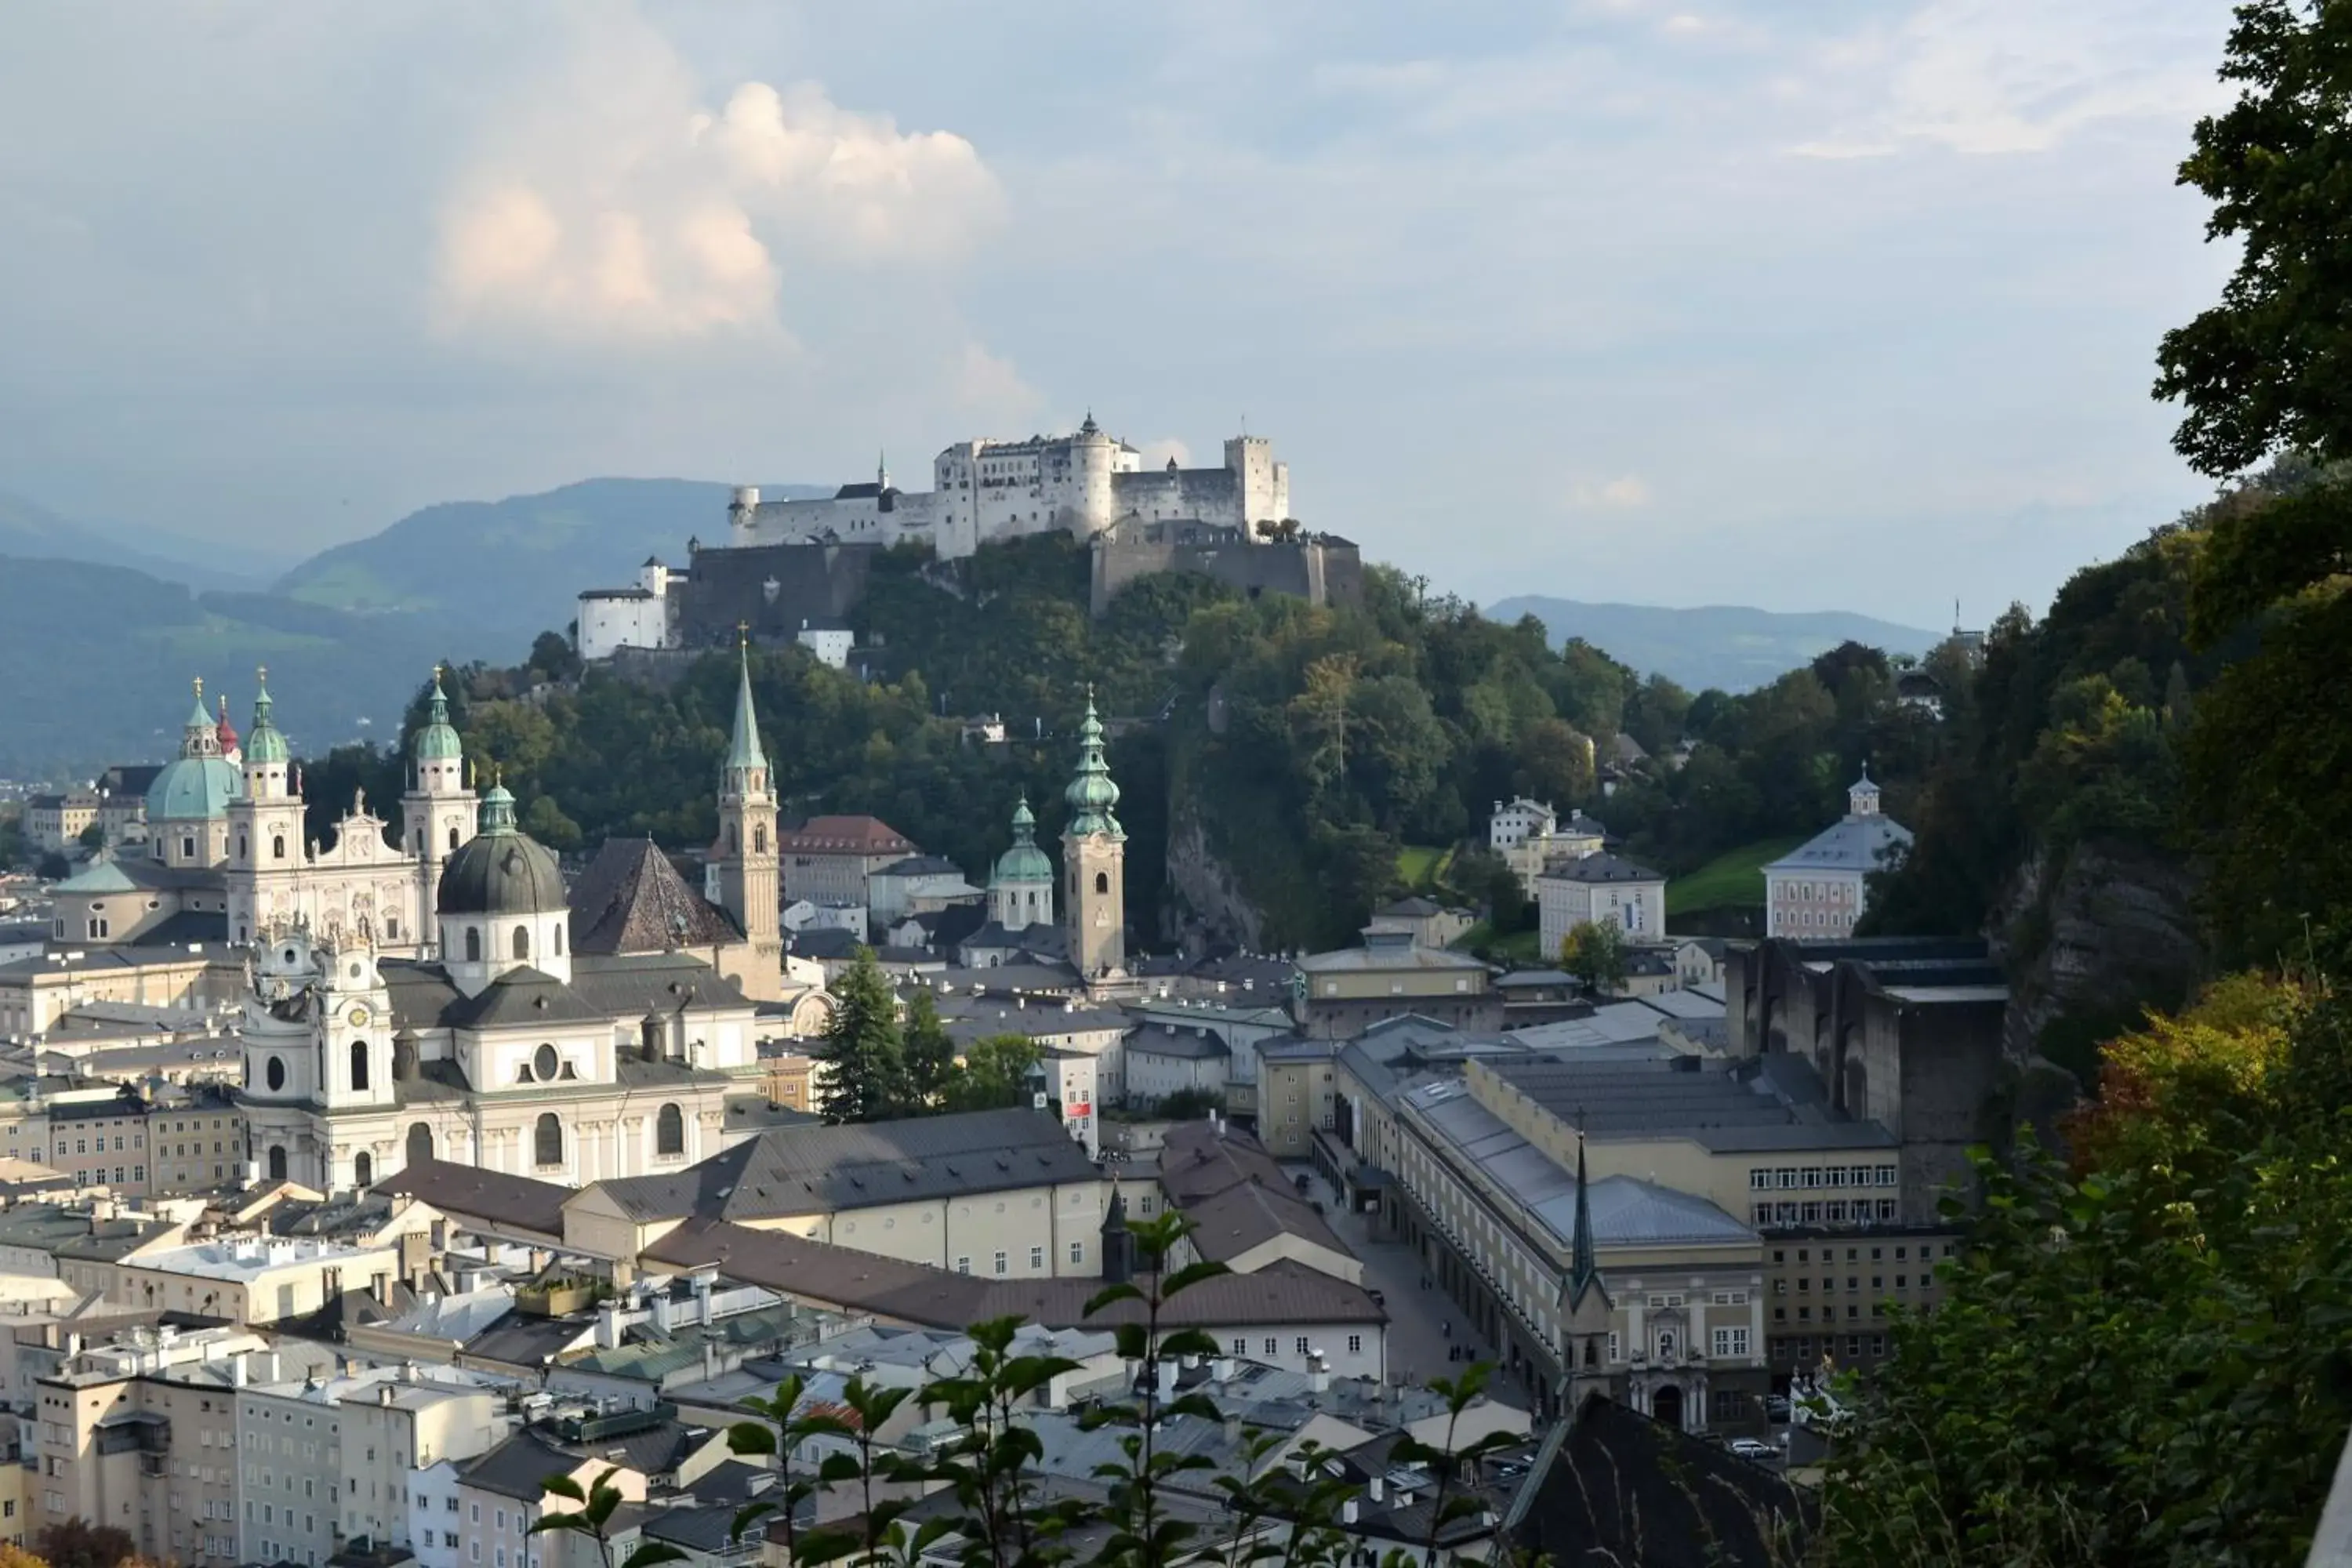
1294, 756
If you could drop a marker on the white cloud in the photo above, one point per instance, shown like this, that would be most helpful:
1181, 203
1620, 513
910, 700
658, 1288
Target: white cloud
1157, 453
1625, 493
610, 204
2011, 76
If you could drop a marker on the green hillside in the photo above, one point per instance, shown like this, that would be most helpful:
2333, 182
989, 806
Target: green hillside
507, 570
1734, 879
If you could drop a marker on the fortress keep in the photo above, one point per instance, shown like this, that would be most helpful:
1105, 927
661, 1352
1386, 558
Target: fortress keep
791, 566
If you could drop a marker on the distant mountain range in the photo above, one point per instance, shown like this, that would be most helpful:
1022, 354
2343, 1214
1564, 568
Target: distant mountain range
514, 568
1727, 646
103, 625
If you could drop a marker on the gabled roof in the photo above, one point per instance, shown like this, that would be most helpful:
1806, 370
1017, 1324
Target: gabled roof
471, 1193
844, 836
823, 1170
1234, 1194
521, 996
631, 899
1601, 868
1853, 844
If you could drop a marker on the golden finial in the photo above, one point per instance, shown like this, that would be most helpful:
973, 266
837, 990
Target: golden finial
436, 672
261, 673
743, 634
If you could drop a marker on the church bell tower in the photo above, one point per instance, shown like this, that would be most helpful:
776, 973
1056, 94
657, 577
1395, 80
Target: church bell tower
744, 859
438, 811
1094, 860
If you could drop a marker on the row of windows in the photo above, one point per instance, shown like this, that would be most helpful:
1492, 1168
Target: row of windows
1853, 1283
1800, 1348
1764, 1178
1878, 1253
1835, 1211
82, 1145
1299, 1346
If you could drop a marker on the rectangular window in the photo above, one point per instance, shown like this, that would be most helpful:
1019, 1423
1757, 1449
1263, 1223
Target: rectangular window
1077, 1252
1615, 1352
1731, 1341
1241, 1345
1758, 1179
1000, 1263
963, 1264
1272, 1348
1785, 1176
1355, 1344
1301, 1346
1036, 1257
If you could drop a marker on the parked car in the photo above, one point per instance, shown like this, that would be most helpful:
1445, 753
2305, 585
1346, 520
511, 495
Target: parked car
1754, 1448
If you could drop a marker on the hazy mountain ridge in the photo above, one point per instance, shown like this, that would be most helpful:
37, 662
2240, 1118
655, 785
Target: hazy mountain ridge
29, 530
1730, 647
515, 567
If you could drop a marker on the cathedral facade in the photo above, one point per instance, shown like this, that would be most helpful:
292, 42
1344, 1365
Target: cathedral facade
512, 1038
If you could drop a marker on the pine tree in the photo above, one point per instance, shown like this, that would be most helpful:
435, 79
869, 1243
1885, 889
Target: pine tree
864, 1061
928, 1053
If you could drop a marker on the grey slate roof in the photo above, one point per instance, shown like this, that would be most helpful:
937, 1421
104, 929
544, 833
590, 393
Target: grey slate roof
518, 997
1195, 1044
1853, 844
1601, 868
820, 1273
470, 1191
631, 899
1769, 1102
604, 986
823, 1170
1234, 1194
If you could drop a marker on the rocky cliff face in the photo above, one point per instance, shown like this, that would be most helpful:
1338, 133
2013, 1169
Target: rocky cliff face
2089, 938
1210, 906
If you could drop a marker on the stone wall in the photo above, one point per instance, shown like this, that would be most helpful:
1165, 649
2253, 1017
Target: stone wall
771, 587
1322, 569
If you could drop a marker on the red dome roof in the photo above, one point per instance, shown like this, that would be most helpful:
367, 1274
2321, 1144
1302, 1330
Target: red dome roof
226, 731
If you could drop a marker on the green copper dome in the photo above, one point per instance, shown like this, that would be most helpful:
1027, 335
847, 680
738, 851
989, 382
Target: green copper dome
1024, 862
198, 784
437, 742
1092, 794
263, 741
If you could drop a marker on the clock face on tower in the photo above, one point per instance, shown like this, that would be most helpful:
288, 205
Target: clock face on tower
358, 1016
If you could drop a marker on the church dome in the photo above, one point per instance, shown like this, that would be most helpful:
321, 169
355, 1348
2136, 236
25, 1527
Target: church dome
197, 784
1024, 862
193, 789
1091, 794
264, 742
501, 871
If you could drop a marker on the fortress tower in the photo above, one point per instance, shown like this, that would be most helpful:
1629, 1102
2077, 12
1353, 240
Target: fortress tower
1094, 860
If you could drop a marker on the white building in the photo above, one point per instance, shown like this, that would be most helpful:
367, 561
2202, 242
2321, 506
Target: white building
1514, 822
1081, 483
1601, 889
635, 616
1819, 890
830, 640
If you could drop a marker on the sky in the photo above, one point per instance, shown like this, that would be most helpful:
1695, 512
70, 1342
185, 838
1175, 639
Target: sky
1808, 304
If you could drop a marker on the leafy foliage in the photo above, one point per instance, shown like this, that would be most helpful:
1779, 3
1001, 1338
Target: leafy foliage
2142, 1363
878, 1066
1595, 952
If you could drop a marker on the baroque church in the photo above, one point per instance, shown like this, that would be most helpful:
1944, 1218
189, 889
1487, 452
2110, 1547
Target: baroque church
506, 1029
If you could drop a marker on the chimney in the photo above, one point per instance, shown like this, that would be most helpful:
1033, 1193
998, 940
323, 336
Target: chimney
236, 1372
1167, 1373
1378, 1488
1347, 1511
608, 1325
1319, 1372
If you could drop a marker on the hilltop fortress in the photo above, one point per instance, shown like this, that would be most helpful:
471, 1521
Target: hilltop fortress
791, 567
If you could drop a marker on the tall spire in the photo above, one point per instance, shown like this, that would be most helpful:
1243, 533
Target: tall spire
1584, 1262
1091, 794
743, 752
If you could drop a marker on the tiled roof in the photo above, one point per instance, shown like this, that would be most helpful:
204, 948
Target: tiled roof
825, 1170
844, 836
631, 899
1234, 1194
816, 1271
1855, 844
468, 1191
521, 996
1601, 868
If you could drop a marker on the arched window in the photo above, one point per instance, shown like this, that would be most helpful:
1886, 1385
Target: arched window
669, 1130
557, 936
420, 1143
363, 1169
453, 836
278, 846
1102, 882
473, 944
547, 1140
759, 837
522, 941
277, 1162
358, 1067
273, 1073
